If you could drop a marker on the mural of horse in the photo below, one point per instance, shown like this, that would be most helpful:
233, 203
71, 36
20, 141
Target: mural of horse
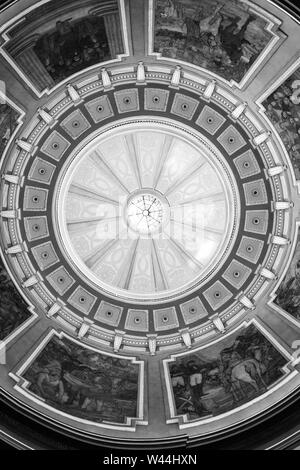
233, 372
248, 371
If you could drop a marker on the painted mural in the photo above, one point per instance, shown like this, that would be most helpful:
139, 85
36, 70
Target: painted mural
283, 109
8, 123
288, 294
84, 383
223, 37
13, 310
73, 46
59, 39
225, 375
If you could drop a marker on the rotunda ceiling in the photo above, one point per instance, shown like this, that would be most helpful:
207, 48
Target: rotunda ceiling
146, 210
149, 215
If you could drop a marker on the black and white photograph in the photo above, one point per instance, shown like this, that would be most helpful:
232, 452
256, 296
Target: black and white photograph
149, 230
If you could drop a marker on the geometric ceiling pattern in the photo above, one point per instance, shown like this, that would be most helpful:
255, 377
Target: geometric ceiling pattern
237, 244
149, 214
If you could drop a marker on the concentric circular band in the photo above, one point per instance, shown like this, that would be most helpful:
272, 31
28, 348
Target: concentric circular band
201, 160
202, 124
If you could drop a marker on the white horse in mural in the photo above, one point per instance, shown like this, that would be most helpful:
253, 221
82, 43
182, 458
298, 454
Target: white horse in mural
247, 371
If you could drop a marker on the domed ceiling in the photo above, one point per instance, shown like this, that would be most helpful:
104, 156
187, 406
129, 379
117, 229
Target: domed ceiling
149, 216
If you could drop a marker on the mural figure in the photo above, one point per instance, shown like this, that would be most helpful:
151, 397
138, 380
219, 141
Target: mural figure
223, 37
85, 383
8, 123
13, 309
288, 294
73, 46
71, 37
282, 108
225, 375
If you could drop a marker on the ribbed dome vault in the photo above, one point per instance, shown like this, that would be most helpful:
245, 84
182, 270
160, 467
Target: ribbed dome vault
149, 221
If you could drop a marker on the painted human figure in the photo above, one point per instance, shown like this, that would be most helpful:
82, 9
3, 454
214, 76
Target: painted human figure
95, 393
12, 313
212, 49
173, 9
196, 379
211, 23
233, 37
196, 385
13, 310
289, 293
178, 381
199, 25
49, 382
7, 123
